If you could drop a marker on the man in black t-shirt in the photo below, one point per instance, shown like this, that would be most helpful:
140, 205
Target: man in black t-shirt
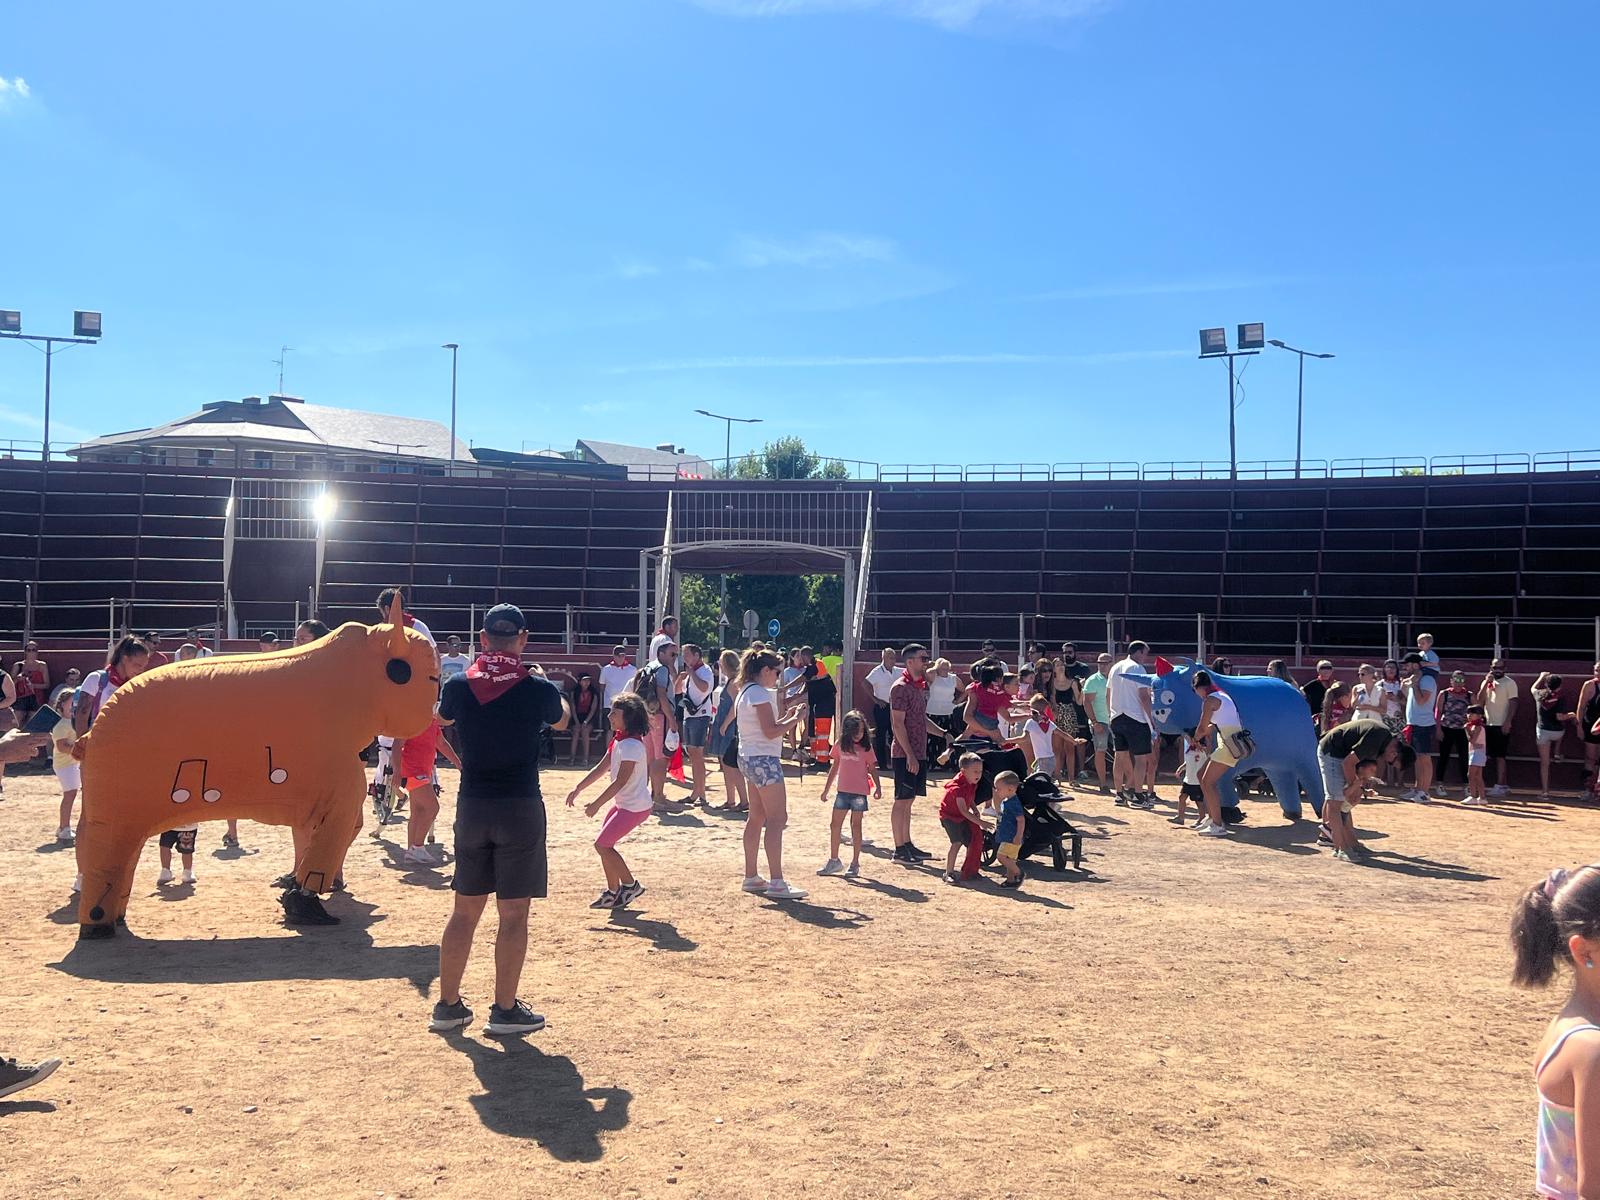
500, 711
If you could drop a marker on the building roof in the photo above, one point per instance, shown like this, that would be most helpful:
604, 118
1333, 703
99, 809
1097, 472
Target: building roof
644, 460
299, 426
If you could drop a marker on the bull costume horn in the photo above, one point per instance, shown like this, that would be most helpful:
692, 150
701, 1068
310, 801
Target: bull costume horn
397, 625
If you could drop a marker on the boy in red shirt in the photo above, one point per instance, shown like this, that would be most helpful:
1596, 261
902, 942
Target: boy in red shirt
958, 815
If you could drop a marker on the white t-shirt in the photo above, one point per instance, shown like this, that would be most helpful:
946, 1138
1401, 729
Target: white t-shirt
1122, 693
451, 665
1498, 698
881, 678
697, 687
614, 680
753, 742
942, 694
1040, 739
424, 631
1194, 760
635, 794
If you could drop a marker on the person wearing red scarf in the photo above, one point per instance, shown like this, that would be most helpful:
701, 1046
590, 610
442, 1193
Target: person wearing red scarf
908, 717
500, 709
1039, 733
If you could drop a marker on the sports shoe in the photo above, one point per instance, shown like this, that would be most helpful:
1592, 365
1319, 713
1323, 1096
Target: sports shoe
418, 855
517, 1019
852, 870
628, 893
77, 884
1144, 803
450, 1016
1474, 801
1124, 797
779, 889
1214, 831
1499, 789
188, 877
64, 834
919, 854
832, 867
1440, 792
229, 842
951, 878
754, 883
15, 1076
286, 880
900, 856
1203, 823
166, 876
606, 899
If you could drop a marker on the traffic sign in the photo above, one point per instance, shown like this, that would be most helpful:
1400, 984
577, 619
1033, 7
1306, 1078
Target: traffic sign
752, 622
773, 628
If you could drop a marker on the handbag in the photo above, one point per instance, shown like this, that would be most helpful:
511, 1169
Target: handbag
1241, 744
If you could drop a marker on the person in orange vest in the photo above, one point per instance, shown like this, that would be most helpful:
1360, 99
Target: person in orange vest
822, 698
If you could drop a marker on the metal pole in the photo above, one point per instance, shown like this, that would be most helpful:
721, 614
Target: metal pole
216, 633
296, 617
1299, 646
49, 351
111, 623
569, 629
1111, 637
1299, 412
1200, 638
1022, 639
933, 642
454, 350
27, 613
1597, 639
1233, 452
1497, 653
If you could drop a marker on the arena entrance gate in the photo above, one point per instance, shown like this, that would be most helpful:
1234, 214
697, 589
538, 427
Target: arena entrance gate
762, 531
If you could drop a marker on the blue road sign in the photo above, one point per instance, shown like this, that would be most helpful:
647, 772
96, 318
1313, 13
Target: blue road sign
773, 628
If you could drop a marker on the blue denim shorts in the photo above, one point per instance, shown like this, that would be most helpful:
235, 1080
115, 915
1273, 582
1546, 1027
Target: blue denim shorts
694, 731
763, 770
851, 802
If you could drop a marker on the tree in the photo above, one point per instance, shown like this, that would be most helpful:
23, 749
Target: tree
788, 458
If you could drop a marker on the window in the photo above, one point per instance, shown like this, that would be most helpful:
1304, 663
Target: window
302, 462
205, 458
262, 460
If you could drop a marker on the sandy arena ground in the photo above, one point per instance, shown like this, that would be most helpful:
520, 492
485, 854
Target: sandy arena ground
1184, 1019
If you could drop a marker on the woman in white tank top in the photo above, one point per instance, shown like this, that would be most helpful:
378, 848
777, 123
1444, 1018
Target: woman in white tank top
1219, 715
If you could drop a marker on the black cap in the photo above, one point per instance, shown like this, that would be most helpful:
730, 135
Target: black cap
268, 636
503, 620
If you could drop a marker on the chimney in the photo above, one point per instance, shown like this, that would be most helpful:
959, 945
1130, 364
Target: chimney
666, 446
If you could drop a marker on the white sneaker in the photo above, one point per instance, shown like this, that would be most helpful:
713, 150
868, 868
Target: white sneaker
1214, 831
754, 883
832, 867
165, 877
1203, 824
64, 834
77, 884
1440, 792
1499, 789
420, 856
188, 877
778, 889
1473, 801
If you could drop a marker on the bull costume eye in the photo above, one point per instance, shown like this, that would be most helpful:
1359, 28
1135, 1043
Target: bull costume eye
1167, 697
398, 670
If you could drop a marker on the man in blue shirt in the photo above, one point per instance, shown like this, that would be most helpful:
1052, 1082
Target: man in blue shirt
1421, 688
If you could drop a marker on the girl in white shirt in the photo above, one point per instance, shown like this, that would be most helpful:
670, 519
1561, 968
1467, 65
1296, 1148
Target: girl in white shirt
761, 734
629, 791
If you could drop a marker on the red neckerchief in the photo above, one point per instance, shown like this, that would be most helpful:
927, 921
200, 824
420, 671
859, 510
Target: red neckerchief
905, 677
1043, 721
116, 677
408, 620
492, 675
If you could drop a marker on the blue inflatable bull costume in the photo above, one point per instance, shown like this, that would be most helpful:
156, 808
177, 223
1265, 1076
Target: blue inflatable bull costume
1273, 711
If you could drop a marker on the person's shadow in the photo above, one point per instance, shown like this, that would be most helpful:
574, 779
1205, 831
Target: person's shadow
541, 1097
662, 935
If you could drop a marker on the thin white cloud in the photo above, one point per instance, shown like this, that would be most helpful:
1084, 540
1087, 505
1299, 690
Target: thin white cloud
13, 90
807, 362
813, 250
624, 267
1170, 287
35, 423
947, 14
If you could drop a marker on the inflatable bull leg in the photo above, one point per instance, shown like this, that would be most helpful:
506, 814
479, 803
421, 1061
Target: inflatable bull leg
336, 819
108, 853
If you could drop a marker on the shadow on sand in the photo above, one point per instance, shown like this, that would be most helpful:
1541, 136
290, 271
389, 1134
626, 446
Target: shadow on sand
663, 935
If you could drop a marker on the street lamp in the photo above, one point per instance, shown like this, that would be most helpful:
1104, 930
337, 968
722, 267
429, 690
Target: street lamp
727, 443
86, 332
453, 348
1214, 344
1300, 399
727, 473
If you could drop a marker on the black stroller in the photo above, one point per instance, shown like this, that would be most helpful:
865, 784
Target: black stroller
1047, 830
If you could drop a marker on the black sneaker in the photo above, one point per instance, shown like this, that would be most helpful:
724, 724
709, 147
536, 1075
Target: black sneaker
305, 908
917, 854
1124, 797
606, 899
1141, 801
450, 1016
902, 855
628, 893
517, 1019
286, 880
15, 1076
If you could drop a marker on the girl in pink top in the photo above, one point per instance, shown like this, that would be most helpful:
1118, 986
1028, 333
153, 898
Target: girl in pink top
1557, 925
855, 771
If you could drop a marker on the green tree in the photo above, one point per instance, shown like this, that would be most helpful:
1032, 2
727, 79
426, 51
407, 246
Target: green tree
788, 458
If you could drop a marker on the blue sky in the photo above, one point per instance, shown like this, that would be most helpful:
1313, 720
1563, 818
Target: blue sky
908, 230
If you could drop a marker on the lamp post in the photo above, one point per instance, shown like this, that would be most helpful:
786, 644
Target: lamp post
453, 348
727, 472
1300, 396
86, 332
1214, 344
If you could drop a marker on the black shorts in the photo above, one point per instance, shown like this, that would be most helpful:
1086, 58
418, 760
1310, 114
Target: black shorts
959, 832
1497, 742
500, 848
25, 706
1192, 791
908, 786
1130, 735
730, 752
183, 839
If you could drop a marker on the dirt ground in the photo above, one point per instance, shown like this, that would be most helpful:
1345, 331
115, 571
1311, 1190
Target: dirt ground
1185, 1018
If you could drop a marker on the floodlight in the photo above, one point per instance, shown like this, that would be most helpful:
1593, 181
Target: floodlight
1214, 341
85, 324
10, 320
323, 507
1252, 336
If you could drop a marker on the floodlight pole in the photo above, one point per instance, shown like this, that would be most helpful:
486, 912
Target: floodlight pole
49, 351
1233, 444
454, 348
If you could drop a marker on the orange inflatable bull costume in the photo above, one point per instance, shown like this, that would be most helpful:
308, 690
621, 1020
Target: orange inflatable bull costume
274, 738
